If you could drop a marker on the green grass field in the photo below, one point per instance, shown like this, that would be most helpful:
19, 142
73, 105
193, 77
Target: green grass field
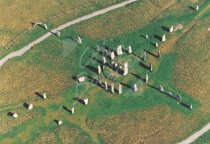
146, 116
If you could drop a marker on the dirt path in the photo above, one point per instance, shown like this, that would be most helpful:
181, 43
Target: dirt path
196, 135
73, 22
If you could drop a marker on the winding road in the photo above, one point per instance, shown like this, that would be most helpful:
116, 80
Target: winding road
196, 135
73, 22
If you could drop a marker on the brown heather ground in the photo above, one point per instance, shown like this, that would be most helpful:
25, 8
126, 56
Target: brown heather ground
16, 16
20, 81
45, 138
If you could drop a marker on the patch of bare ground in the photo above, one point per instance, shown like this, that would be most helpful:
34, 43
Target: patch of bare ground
156, 125
20, 81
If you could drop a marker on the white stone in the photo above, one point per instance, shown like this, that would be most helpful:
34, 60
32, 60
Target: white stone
171, 29
79, 40
144, 56
151, 67
161, 88
72, 110
146, 36
135, 88
60, 122
81, 79
98, 48
112, 55
119, 89
159, 54
178, 27
156, 44
104, 60
45, 26
164, 38
191, 107
112, 87
125, 68
30, 107
147, 78
99, 69
197, 8
208, 29
44, 95
119, 50
58, 33
130, 50
15, 115
170, 93
106, 85
85, 101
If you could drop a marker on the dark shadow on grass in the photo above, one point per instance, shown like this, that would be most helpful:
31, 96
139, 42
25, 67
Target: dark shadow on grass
79, 100
190, 7
126, 85
138, 77
10, 114
150, 53
39, 95
165, 28
92, 68
144, 66
158, 37
185, 105
25, 105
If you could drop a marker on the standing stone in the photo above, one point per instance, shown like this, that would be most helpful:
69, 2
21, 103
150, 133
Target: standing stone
164, 38
144, 56
156, 44
30, 106
105, 52
99, 69
171, 29
146, 36
72, 110
112, 55
44, 96
150, 67
197, 8
85, 101
112, 87
170, 93
97, 48
60, 122
119, 50
81, 79
135, 88
159, 54
119, 89
190, 106
130, 50
178, 97
15, 115
79, 40
45, 26
161, 88
106, 86
104, 60
125, 69
147, 78
58, 33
